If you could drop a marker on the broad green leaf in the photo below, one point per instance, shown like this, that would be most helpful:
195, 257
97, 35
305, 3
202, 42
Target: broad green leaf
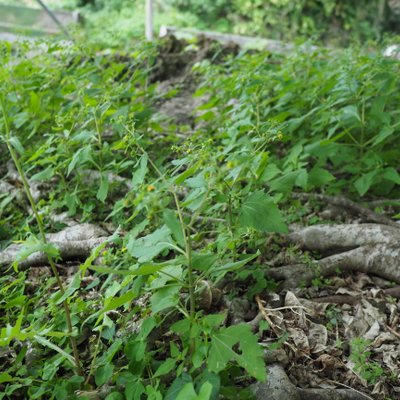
50, 369
44, 175
260, 212
302, 179
82, 156
319, 177
284, 183
43, 341
150, 268
16, 301
214, 320
71, 201
270, 172
5, 377
363, 183
181, 326
113, 303
233, 266
206, 391
103, 188
197, 181
350, 114
173, 223
392, 175
72, 287
84, 136
95, 253
114, 396
135, 349
187, 392
386, 132
249, 355
148, 324
134, 390
213, 379
184, 175
148, 247
10, 332
194, 200
103, 374
14, 141
177, 386
32, 246
203, 261
140, 173
164, 298
165, 368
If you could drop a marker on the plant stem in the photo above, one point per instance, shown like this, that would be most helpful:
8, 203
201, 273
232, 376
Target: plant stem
43, 237
188, 251
188, 246
362, 129
100, 143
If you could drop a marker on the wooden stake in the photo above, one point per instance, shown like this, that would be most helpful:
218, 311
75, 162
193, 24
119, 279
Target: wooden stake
149, 20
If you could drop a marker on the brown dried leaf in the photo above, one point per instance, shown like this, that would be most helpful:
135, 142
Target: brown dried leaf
317, 337
300, 340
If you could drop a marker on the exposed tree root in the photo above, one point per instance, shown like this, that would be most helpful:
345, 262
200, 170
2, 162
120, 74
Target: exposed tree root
75, 242
279, 387
91, 175
12, 184
352, 207
369, 248
348, 299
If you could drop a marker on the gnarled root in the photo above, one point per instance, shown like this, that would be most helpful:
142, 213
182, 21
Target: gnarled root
279, 387
75, 242
369, 248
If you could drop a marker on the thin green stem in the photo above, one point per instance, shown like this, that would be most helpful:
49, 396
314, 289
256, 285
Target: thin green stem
188, 246
188, 251
362, 144
42, 234
230, 213
100, 143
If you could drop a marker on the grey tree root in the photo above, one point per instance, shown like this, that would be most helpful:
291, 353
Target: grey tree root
75, 242
369, 248
279, 387
355, 209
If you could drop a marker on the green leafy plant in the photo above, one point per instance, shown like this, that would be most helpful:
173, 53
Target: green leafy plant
368, 370
51, 252
191, 207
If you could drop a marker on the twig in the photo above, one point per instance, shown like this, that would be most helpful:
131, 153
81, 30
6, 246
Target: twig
267, 318
338, 299
285, 308
350, 388
395, 333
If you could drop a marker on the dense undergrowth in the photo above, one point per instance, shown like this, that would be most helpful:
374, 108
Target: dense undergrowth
188, 206
336, 22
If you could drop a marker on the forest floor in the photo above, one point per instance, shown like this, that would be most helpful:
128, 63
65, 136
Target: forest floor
319, 311
328, 311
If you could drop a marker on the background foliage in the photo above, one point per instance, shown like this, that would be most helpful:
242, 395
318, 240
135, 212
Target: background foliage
333, 21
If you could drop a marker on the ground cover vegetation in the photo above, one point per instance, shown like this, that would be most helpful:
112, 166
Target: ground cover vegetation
180, 220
